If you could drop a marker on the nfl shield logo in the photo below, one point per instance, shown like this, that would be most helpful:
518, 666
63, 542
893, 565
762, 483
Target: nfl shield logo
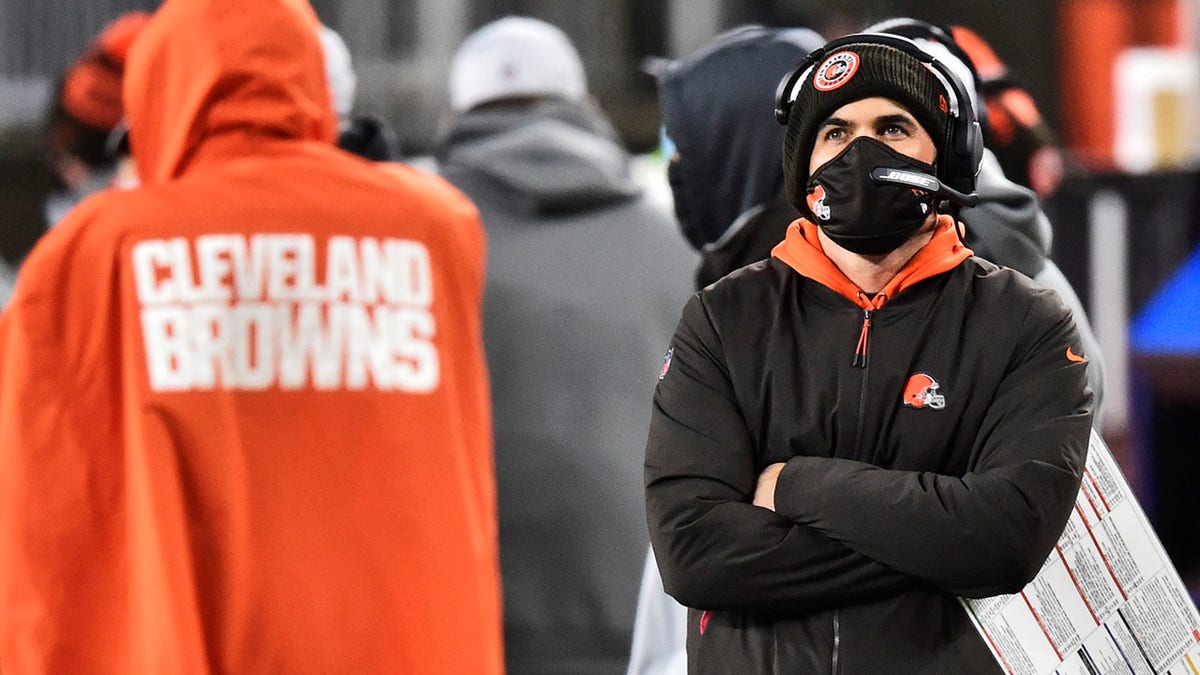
666, 363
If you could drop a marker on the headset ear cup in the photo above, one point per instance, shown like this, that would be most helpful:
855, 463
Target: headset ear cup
783, 98
783, 106
972, 154
966, 144
783, 95
976, 147
964, 150
794, 168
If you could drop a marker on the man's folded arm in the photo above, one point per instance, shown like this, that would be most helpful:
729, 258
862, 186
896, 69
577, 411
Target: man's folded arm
716, 550
988, 531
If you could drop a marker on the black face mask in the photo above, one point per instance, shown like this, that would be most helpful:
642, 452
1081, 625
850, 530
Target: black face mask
860, 215
692, 230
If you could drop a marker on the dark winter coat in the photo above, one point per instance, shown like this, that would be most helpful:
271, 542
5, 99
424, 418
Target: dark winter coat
945, 467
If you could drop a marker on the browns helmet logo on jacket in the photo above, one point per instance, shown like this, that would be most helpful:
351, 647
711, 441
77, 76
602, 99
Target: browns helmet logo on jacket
922, 391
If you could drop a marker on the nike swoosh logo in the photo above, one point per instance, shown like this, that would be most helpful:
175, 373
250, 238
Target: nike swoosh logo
1075, 358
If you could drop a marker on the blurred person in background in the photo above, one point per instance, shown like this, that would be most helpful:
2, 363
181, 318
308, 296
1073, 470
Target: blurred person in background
584, 281
1008, 226
86, 114
726, 177
8, 278
82, 130
1023, 142
244, 419
726, 171
364, 135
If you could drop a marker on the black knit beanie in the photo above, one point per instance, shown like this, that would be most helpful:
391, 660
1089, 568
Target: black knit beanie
854, 72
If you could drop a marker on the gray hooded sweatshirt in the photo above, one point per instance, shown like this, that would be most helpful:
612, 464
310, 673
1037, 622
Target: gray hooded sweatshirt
585, 284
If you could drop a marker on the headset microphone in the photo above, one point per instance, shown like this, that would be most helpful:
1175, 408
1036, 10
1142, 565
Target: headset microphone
922, 181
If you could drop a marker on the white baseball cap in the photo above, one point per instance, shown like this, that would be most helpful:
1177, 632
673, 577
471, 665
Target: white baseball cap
515, 57
339, 72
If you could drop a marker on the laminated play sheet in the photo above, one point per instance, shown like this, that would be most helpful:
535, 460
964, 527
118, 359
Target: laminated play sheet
1107, 601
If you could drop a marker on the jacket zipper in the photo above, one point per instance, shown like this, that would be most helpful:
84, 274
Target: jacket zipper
860, 361
837, 639
862, 358
860, 350
869, 306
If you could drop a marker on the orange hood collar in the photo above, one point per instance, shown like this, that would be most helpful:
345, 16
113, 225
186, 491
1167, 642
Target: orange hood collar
801, 250
206, 67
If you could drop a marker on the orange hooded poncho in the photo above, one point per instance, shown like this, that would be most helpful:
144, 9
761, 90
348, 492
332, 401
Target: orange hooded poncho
244, 421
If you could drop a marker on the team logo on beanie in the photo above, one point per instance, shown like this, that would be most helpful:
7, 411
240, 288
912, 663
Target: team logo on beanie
922, 391
835, 71
816, 202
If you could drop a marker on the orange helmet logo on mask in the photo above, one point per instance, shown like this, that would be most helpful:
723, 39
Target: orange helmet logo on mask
816, 202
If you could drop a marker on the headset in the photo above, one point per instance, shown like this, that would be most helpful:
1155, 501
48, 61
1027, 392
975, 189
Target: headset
960, 152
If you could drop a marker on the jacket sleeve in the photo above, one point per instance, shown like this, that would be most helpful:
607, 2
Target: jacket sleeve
989, 531
715, 549
1052, 277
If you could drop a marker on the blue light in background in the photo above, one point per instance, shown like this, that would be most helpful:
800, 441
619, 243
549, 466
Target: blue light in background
1170, 322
